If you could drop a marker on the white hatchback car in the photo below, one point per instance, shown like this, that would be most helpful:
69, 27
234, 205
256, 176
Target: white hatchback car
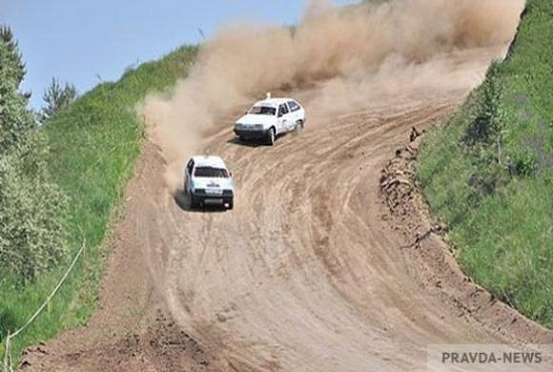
208, 182
268, 118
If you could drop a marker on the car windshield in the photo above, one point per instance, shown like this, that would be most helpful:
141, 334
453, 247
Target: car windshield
210, 172
262, 110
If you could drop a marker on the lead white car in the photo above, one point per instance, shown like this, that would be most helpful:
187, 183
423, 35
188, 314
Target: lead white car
207, 181
268, 118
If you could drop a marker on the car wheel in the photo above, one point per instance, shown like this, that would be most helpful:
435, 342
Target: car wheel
230, 205
194, 202
271, 137
299, 125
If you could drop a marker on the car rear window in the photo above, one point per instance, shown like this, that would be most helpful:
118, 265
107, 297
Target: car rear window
293, 106
262, 110
210, 172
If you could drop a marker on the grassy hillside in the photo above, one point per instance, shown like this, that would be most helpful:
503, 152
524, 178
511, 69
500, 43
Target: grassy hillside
489, 173
94, 146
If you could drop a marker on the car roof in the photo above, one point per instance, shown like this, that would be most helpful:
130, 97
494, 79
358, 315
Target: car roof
273, 102
209, 161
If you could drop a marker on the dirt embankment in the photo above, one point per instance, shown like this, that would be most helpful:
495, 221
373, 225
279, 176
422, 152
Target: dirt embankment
308, 272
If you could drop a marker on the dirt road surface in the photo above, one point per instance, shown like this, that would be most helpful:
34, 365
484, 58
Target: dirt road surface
305, 274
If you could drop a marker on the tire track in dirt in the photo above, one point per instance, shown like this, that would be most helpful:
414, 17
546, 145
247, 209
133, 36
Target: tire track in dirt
303, 275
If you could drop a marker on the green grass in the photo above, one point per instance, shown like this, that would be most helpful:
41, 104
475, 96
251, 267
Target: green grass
489, 173
94, 147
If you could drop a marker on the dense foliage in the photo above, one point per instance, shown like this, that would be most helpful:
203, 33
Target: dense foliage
32, 208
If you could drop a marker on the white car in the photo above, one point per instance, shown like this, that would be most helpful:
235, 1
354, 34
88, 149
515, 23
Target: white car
268, 118
207, 181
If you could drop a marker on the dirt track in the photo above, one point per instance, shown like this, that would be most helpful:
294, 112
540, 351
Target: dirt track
305, 274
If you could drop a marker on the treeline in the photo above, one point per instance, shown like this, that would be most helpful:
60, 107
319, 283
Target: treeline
32, 206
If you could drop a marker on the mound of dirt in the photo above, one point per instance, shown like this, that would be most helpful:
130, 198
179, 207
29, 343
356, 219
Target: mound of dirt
163, 347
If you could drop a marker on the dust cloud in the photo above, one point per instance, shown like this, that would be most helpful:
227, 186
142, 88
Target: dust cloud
350, 52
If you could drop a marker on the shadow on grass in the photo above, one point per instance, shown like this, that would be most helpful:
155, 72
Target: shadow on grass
7, 323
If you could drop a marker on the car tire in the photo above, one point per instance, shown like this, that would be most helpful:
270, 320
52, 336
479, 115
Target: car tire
271, 136
230, 204
194, 202
299, 125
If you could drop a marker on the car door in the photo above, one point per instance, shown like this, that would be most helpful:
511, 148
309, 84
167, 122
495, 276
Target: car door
294, 112
284, 118
291, 118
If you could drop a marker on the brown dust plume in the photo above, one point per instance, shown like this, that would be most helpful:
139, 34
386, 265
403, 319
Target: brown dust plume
351, 53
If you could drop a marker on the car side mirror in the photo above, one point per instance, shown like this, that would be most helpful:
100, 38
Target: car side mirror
279, 115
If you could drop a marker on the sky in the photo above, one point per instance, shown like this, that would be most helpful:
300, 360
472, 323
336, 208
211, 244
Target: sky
84, 42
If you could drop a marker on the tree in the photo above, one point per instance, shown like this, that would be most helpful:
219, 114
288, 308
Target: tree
57, 97
32, 207
15, 121
11, 58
